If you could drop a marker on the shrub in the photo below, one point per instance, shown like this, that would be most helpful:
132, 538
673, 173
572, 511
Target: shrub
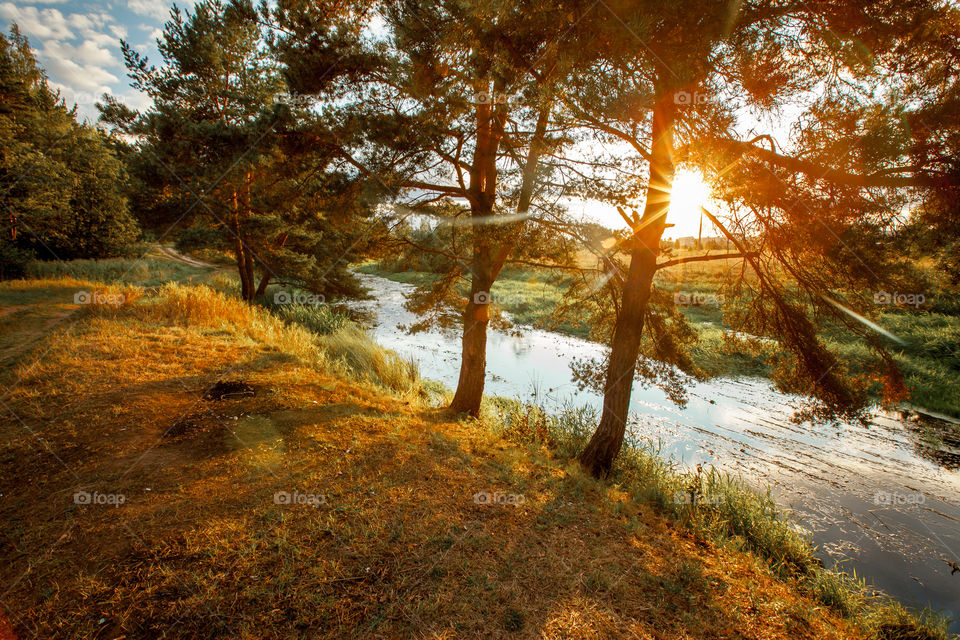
145, 272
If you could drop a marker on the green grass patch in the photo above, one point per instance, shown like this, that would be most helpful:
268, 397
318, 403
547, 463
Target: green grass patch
321, 319
147, 272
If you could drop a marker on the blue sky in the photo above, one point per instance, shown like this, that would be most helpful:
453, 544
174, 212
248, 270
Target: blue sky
78, 43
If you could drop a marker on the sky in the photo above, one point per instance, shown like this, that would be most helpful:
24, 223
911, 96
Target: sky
77, 42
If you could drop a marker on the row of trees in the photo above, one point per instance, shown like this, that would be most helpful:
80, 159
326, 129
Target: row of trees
275, 131
477, 112
62, 184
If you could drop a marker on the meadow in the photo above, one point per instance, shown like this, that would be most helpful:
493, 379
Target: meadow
394, 539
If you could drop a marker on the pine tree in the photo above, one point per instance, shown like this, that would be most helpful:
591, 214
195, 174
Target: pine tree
476, 82
223, 154
807, 223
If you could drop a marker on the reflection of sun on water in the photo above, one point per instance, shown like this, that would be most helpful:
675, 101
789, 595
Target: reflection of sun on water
690, 193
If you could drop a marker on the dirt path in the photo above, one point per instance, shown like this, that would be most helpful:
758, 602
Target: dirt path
17, 339
176, 256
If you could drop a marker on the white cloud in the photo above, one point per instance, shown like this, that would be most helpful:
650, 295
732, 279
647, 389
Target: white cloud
159, 9
80, 51
92, 26
36, 23
83, 77
90, 53
81, 21
84, 99
135, 99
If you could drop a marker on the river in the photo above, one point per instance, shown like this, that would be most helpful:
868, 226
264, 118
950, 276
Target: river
879, 499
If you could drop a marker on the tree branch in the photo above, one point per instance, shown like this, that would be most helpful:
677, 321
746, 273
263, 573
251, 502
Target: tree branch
820, 172
705, 258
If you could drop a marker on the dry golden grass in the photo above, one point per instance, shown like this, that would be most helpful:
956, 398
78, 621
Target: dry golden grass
398, 547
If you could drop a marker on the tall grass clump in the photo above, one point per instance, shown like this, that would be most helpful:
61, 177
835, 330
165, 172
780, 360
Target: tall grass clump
203, 306
321, 319
564, 433
347, 351
889, 620
351, 352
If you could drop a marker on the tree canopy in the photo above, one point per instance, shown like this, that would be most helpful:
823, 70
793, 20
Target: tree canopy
238, 164
61, 182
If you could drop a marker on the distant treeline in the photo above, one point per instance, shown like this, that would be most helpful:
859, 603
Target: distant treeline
63, 186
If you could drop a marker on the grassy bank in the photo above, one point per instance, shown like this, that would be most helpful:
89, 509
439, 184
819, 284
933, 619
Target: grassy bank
929, 357
722, 510
393, 537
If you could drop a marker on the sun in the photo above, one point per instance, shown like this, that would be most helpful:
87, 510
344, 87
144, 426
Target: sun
689, 193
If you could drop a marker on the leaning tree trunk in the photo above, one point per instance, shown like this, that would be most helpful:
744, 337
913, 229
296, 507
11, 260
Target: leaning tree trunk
644, 247
264, 282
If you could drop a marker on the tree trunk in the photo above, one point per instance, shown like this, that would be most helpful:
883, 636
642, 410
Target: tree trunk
246, 287
251, 277
247, 249
486, 265
473, 359
476, 316
602, 450
262, 287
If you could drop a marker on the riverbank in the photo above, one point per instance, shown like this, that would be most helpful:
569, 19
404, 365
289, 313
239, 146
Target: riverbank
929, 357
878, 498
178, 524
